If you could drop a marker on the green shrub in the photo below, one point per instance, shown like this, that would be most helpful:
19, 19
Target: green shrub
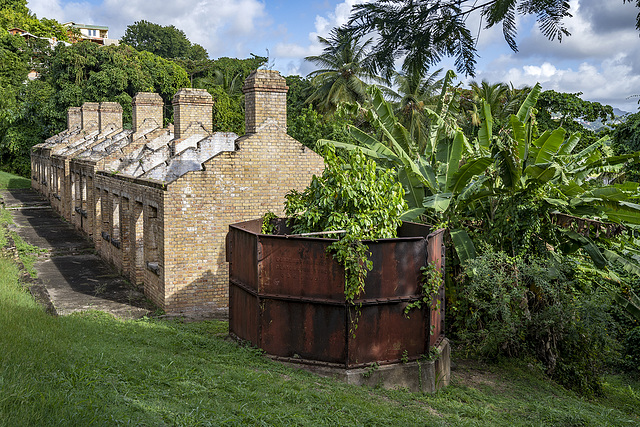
546, 308
355, 196
632, 348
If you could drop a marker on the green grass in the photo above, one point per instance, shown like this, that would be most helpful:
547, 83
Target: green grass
10, 181
28, 253
92, 369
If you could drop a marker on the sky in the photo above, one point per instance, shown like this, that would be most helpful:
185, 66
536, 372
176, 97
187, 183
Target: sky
601, 58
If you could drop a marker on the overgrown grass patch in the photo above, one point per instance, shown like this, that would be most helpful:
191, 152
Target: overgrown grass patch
8, 181
94, 369
27, 253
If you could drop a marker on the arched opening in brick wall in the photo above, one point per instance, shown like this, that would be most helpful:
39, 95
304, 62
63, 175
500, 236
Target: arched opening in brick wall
104, 208
137, 235
115, 220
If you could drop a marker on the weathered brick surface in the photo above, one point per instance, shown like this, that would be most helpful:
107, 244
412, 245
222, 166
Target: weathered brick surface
158, 202
90, 120
192, 110
110, 117
146, 112
74, 118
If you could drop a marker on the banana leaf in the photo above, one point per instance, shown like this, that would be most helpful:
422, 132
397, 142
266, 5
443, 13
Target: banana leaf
589, 247
525, 109
550, 147
455, 155
463, 245
438, 202
570, 144
543, 172
626, 265
632, 305
484, 133
469, 170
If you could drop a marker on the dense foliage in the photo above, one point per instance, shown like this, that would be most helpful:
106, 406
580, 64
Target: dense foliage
345, 71
355, 198
548, 308
538, 209
626, 139
570, 112
168, 42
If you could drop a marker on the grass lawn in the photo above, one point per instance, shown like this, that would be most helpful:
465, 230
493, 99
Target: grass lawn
8, 180
92, 369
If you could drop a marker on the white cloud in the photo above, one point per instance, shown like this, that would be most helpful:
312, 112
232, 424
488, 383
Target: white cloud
601, 58
223, 27
295, 52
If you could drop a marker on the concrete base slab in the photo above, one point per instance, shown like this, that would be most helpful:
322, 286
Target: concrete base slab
85, 282
45, 229
23, 197
71, 277
425, 376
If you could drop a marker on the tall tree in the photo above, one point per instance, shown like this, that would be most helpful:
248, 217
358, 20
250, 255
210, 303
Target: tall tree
503, 100
414, 92
626, 139
344, 70
423, 31
168, 42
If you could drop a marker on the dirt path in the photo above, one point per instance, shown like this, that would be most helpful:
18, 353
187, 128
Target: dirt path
70, 274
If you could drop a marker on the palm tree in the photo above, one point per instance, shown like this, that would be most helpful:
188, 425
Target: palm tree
345, 70
503, 100
231, 84
415, 92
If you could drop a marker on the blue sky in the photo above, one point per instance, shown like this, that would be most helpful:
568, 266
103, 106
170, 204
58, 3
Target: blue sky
600, 59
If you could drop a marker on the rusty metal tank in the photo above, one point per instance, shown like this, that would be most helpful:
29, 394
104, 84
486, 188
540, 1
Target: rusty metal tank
286, 296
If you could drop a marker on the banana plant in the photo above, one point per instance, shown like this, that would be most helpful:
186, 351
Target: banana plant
631, 304
569, 180
434, 182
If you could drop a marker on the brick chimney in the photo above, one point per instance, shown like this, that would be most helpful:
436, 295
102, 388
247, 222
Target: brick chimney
74, 118
90, 116
192, 113
110, 117
147, 111
265, 97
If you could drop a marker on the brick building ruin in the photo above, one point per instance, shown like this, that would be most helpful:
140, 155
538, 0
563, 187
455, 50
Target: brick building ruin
157, 201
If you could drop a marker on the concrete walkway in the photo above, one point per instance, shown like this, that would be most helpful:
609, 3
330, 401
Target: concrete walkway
74, 276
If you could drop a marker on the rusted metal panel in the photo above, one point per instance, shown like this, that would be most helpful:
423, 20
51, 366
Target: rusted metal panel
294, 293
396, 267
242, 253
244, 314
303, 330
298, 266
385, 334
435, 256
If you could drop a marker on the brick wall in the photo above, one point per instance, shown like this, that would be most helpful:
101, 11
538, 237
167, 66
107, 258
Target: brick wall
110, 117
168, 232
192, 113
146, 112
90, 118
74, 117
